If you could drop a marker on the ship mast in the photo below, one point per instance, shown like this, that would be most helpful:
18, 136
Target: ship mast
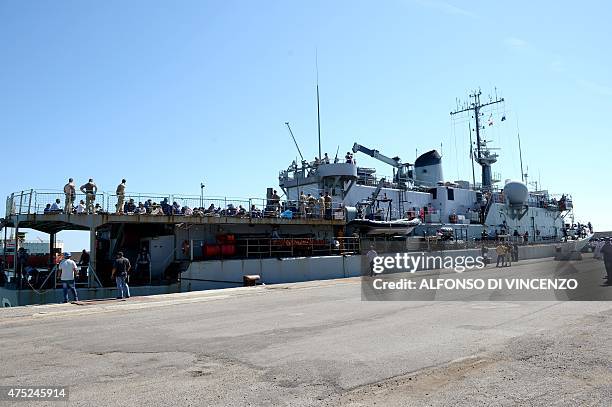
318, 106
484, 157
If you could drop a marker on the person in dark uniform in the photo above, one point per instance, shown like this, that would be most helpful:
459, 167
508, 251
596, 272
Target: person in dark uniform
3, 278
83, 264
22, 261
515, 252
606, 252
143, 264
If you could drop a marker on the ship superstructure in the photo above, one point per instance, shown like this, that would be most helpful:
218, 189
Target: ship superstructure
418, 190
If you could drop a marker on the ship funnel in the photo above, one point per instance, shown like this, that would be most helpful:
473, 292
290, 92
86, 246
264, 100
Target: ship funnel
428, 169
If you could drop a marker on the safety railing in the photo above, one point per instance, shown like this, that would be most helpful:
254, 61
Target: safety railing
539, 200
50, 202
270, 247
42, 202
436, 243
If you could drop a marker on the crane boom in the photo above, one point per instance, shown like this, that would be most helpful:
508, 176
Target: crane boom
403, 174
394, 162
296, 144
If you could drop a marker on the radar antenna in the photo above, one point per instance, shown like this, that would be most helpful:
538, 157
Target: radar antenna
484, 157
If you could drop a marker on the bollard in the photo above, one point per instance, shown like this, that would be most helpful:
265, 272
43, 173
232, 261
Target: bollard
250, 280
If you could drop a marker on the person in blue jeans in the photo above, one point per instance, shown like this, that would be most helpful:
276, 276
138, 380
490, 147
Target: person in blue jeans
68, 270
121, 268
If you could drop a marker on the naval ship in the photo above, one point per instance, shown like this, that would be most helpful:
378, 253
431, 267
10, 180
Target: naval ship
418, 200
331, 213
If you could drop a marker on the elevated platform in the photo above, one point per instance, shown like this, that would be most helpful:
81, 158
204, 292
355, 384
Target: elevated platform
53, 223
30, 209
172, 230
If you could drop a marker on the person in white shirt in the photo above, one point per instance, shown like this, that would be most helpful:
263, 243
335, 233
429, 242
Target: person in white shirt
371, 255
68, 269
80, 207
55, 206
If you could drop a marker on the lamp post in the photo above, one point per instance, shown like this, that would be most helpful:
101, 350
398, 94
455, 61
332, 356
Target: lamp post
201, 194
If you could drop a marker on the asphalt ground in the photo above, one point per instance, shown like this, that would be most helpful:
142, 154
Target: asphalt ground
318, 343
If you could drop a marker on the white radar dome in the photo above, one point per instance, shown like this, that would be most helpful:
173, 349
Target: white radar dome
516, 192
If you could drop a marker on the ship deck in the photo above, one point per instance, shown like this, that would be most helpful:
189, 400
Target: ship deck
26, 209
53, 223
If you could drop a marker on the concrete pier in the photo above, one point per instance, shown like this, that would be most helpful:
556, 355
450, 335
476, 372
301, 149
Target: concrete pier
318, 344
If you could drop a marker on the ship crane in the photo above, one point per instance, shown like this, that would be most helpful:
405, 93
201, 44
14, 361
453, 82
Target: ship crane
403, 173
369, 202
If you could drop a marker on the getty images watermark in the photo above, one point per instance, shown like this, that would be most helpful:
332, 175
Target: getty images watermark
411, 263
465, 277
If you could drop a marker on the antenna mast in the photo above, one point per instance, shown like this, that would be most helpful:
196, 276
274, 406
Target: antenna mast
484, 157
472, 156
520, 152
318, 109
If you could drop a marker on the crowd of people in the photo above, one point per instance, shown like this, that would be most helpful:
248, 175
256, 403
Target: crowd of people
310, 206
312, 165
307, 206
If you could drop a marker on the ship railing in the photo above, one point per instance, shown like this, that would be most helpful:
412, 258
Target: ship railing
275, 247
136, 198
40, 201
29, 202
534, 200
435, 243
294, 209
373, 180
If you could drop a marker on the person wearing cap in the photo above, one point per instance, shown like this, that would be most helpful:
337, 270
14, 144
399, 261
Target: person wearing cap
606, 252
68, 270
121, 267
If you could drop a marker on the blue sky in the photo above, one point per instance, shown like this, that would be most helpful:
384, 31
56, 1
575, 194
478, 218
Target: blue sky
169, 94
